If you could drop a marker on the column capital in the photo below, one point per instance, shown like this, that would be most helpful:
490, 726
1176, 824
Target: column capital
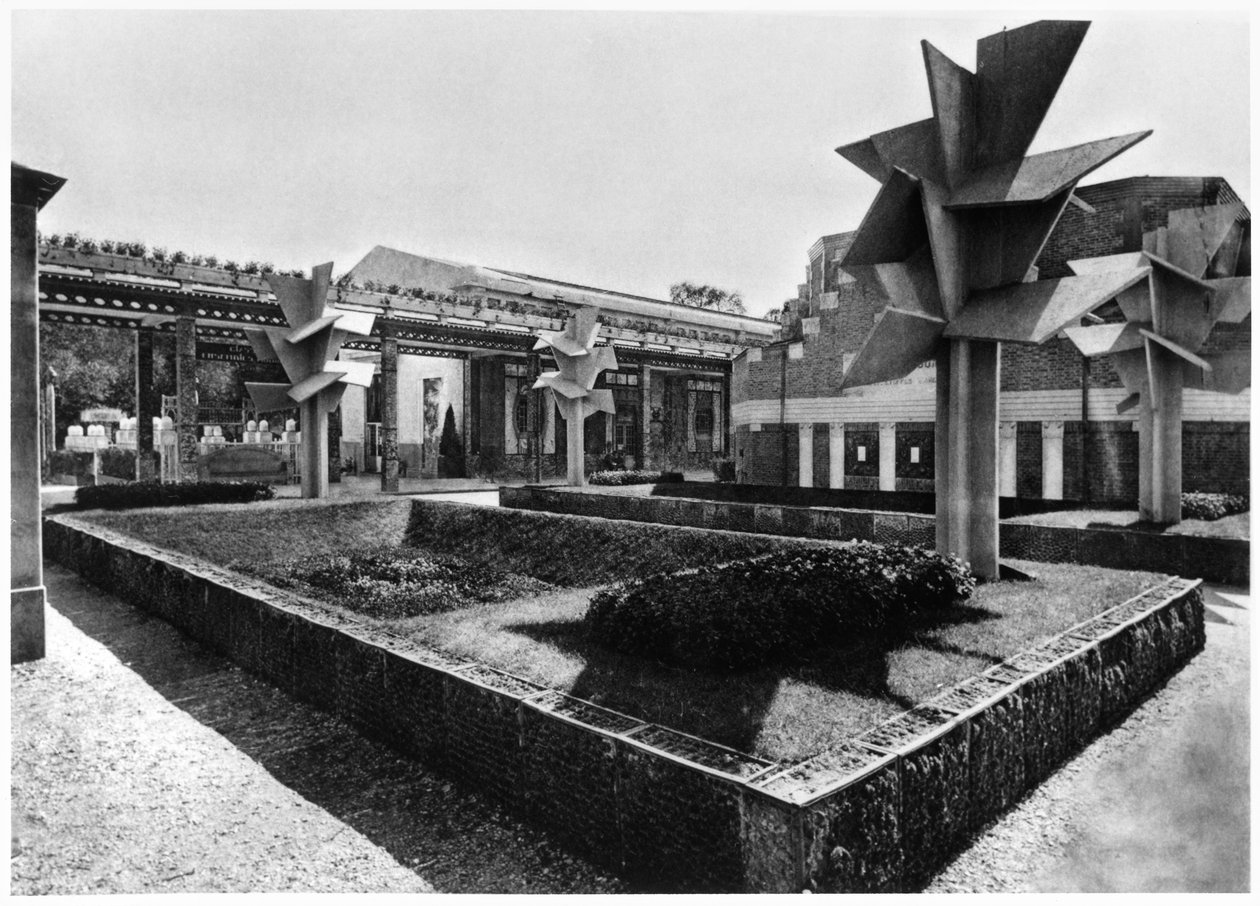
887, 426
1051, 429
1007, 430
835, 426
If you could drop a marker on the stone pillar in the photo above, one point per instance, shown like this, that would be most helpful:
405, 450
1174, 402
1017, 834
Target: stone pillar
147, 405
1052, 460
314, 428
1159, 438
835, 455
29, 190
533, 367
645, 418
334, 445
1006, 457
186, 396
888, 456
805, 455
389, 411
967, 381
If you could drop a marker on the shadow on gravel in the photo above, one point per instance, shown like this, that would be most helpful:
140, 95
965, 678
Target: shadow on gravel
457, 841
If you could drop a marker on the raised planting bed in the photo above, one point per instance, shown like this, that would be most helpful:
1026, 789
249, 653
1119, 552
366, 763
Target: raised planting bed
871, 802
1218, 551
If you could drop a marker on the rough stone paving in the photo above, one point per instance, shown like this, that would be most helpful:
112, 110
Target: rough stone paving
148, 765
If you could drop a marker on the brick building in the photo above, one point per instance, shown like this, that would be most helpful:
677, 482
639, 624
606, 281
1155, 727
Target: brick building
1060, 435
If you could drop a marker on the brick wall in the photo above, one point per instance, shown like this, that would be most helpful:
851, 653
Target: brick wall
1216, 456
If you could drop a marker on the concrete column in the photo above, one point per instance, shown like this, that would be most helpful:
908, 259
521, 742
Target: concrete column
1006, 458
389, 411
186, 396
314, 427
888, 456
147, 405
1052, 460
1159, 438
967, 381
29, 190
835, 455
805, 454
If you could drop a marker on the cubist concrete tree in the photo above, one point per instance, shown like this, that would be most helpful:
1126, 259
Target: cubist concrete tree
950, 243
580, 363
1196, 273
308, 353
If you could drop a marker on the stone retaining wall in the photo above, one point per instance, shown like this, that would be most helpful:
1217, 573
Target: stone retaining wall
1224, 560
880, 813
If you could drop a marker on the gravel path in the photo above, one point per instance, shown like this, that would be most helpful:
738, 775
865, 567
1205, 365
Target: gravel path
143, 764
1159, 804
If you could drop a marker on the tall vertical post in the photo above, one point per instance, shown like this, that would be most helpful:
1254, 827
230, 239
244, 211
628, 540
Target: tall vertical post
186, 396
1052, 460
835, 455
645, 422
967, 381
389, 411
1159, 460
314, 414
888, 456
805, 455
1007, 433
146, 404
29, 190
533, 366
575, 450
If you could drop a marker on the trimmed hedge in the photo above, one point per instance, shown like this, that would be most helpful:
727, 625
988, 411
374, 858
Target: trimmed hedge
724, 470
578, 550
117, 462
70, 462
155, 493
755, 611
632, 476
1209, 507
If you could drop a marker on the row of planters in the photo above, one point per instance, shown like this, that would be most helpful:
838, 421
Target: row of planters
877, 814
82, 468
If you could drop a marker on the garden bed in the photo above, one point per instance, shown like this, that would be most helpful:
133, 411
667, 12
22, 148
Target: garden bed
790, 711
878, 812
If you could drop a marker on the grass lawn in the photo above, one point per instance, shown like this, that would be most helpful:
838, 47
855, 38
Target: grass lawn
1236, 526
790, 711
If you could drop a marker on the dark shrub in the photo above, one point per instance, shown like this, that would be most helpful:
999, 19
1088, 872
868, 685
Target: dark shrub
118, 463
1198, 505
623, 476
758, 610
724, 469
70, 462
398, 582
154, 493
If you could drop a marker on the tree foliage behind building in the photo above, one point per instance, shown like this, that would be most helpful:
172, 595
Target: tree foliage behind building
701, 295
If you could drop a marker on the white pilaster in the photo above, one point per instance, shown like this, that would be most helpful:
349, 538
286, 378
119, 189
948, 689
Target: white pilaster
1052, 460
805, 455
1006, 459
835, 455
888, 456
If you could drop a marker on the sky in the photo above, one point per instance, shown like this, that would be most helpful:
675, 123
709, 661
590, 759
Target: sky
626, 151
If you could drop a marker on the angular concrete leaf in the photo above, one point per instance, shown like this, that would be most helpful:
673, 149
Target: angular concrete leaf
1035, 312
893, 228
1231, 373
1131, 366
914, 148
308, 387
865, 157
1180, 305
899, 342
598, 401
1004, 242
269, 397
295, 360
1129, 402
1103, 339
953, 92
358, 323
358, 374
562, 342
261, 345
1041, 176
298, 334
1231, 301
561, 386
909, 286
1196, 234
947, 236
1018, 73
1125, 261
1176, 350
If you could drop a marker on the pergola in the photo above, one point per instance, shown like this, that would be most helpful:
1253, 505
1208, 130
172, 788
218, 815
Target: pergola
209, 311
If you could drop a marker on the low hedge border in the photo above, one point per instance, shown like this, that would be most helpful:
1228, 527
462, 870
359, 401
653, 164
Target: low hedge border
136, 494
1225, 560
678, 812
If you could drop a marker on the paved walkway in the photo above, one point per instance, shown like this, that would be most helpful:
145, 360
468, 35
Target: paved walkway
143, 763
